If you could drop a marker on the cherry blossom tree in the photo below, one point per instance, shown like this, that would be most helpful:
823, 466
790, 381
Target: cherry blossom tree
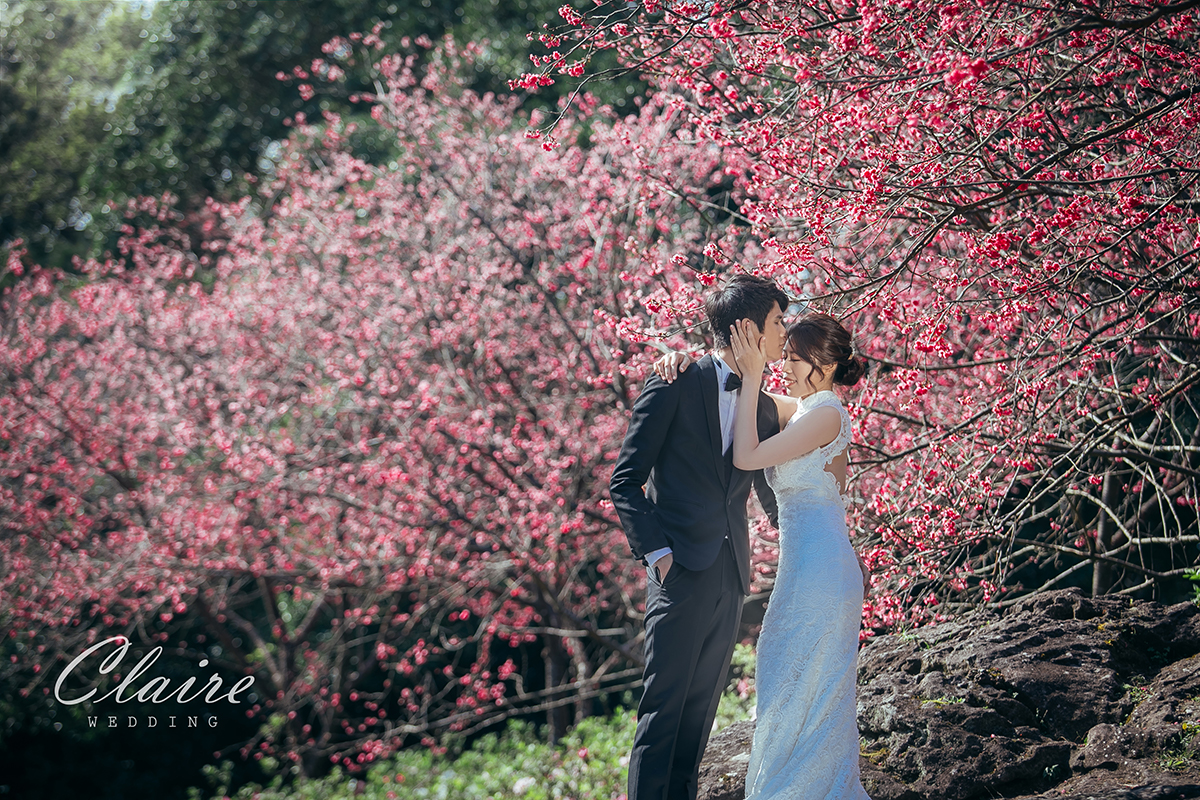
356, 444
1001, 198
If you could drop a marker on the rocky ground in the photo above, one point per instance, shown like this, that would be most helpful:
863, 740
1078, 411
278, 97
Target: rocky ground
1062, 696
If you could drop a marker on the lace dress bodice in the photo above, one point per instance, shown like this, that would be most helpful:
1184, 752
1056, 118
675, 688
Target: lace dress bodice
807, 475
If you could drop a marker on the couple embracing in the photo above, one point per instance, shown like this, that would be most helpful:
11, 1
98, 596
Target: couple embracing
696, 444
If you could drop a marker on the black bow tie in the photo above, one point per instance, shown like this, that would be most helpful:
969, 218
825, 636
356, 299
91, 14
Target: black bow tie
733, 382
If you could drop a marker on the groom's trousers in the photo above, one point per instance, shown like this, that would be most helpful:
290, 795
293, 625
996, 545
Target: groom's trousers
691, 627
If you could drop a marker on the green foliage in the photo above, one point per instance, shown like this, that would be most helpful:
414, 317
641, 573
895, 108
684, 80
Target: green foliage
909, 636
737, 702
1193, 575
60, 66
1137, 693
591, 761
505, 24
107, 100
204, 102
1183, 755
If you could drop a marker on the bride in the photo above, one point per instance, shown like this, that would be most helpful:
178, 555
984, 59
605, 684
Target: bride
805, 737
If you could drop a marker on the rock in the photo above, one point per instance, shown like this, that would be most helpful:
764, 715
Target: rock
1165, 706
1060, 696
1105, 746
1167, 792
723, 771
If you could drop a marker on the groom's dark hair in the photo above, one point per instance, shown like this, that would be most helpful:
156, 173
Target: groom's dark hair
742, 296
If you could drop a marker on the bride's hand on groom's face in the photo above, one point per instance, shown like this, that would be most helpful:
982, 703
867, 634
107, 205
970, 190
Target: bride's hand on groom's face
672, 365
748, 342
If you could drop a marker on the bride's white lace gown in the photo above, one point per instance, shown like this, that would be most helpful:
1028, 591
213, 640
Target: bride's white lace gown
806, 735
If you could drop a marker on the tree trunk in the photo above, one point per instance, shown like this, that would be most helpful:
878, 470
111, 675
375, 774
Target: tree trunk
1102, 570
557, 673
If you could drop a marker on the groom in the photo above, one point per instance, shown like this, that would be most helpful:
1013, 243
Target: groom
689, 526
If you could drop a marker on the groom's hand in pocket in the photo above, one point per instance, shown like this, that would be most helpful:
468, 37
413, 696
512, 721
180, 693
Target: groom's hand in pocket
663, 566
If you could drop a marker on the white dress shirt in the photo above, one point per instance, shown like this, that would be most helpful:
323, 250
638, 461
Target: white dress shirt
727, 403
727, 407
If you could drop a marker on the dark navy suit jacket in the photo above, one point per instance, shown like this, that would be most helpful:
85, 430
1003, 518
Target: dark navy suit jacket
693, 494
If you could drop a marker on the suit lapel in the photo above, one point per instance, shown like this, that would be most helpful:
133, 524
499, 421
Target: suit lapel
712, 410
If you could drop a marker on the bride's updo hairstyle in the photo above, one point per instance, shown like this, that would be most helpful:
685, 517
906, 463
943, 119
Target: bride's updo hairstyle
821, 340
